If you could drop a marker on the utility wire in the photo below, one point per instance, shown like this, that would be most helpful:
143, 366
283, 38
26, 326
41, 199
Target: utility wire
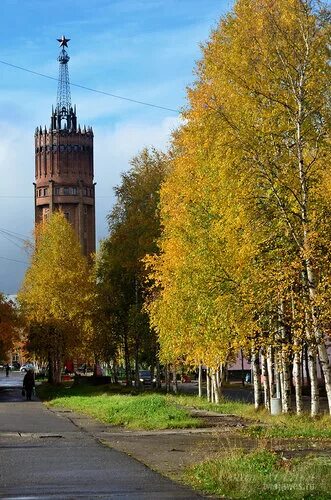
90, 89
14, 260
11, 241
14, 196
14, 235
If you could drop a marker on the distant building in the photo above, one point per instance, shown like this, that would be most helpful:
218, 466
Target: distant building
64, 164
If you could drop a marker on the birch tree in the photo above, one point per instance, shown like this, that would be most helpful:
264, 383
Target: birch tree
57, 294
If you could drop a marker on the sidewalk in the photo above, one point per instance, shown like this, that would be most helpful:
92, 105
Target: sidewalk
47, 455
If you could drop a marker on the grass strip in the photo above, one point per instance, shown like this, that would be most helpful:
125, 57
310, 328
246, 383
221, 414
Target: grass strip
262, 474
262, 424
134, 411
160, 411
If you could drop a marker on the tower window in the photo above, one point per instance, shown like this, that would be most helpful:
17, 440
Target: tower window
66, 190
73, 190
45, 191
57, 190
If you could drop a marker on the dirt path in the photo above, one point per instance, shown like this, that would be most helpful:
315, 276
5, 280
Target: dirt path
169, 452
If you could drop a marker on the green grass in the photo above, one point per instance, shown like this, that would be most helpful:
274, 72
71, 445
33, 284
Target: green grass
117, 406
262, 424
263, 475
120, 405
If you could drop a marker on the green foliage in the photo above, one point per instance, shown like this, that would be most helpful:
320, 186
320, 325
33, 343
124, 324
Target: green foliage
263, 474
134, 227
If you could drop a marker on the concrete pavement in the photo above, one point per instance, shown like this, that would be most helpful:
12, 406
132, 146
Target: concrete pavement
44, 455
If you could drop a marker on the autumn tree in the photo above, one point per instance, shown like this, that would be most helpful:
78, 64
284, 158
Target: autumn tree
57, 294
9, 326
246, 211
134, 228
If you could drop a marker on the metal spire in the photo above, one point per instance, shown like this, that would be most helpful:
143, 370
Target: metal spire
63, 90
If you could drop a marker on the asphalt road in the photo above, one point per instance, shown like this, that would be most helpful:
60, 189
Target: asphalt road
45, 456
235, 393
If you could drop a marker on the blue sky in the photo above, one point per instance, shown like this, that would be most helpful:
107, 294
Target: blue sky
140, 49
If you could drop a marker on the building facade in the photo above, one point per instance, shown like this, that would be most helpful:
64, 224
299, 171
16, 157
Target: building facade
64, 170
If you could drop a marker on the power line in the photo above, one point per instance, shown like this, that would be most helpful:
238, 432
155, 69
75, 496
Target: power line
90, 89
20, 236
14, 260
14, 196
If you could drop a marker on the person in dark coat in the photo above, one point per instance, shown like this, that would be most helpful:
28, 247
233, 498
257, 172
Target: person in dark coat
7, 369
28, 384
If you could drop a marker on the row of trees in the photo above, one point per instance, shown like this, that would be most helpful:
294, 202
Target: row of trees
244, 254
75, 308
222, 243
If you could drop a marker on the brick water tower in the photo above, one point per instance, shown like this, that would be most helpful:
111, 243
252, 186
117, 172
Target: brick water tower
64, 164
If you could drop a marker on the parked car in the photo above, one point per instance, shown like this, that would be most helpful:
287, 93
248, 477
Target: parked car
27, 367
15, 365
145, 377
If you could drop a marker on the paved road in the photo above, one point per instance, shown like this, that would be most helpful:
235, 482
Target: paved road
237, 393
45, 456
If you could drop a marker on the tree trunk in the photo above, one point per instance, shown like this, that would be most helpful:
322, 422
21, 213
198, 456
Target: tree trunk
216, 388
286, 378
167, 377
297, 375
256, 378
128, 375
50, 368
286, 375
200, 381
208, 385
314, 394
136, 365
174, 380
266, 386
271, 371
158, 373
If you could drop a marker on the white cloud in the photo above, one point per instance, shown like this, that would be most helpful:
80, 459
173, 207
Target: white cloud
113, 152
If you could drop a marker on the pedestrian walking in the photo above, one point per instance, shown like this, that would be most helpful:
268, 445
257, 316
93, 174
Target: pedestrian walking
7, 369
28, 384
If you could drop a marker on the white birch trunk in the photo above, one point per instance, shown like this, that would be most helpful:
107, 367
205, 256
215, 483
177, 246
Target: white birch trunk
311, 278
286, 377
297, 377
200, 381
265, 378
278, 381
256, 378
216, 387
271, 371
313, 381
208, 385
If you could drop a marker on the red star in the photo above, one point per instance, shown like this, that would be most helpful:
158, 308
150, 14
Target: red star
63, 41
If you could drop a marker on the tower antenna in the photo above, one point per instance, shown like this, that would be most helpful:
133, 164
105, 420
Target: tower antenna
63, 104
